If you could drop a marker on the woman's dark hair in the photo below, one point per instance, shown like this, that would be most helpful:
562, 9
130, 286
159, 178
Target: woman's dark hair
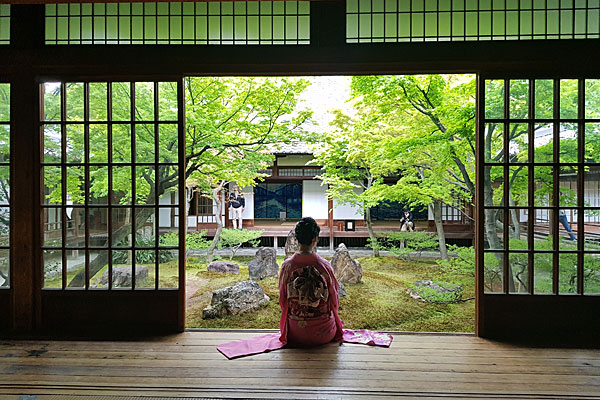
306, 230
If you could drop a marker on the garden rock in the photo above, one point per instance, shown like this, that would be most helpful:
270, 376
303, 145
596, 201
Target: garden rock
436, 292
345, 268
224, 267
121, 276
342, 290
264, 264
239, 298
291, 244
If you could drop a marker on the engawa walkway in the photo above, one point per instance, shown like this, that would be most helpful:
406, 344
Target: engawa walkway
188, 366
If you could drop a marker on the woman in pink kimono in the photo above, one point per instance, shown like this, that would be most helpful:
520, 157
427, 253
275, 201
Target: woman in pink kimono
308, 293
308, 296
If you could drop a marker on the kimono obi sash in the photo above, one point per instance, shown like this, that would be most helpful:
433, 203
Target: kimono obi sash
307, 294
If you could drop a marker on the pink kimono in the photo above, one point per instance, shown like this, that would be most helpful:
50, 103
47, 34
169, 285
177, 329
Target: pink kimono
305, 320
295, 325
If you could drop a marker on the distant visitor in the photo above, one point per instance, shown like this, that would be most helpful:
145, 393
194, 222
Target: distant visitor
562, 217
406, 221
237, 203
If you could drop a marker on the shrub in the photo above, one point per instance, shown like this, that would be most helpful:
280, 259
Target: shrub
142, 256
431, 295
193, 240
463, 263
403, 244
52, 267
233, 239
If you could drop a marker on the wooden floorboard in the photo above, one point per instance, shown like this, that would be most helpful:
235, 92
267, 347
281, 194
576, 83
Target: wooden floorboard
188, 366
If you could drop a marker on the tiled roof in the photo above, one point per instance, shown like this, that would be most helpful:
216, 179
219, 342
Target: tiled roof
291, 148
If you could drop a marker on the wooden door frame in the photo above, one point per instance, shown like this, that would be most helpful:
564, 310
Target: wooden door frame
553, 318
27, 60
88, 312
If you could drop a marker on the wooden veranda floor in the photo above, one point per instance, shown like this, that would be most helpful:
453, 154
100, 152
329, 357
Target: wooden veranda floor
188, 365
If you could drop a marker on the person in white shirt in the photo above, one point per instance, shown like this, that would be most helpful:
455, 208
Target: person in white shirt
237, 203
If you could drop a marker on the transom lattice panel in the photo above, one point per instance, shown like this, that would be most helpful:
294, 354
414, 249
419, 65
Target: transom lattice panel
461, 20
4, 24
199, 23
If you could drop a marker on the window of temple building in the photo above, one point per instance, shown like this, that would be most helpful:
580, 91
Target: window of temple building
290, 171
312, 172
201, 204
267, 172
278, 200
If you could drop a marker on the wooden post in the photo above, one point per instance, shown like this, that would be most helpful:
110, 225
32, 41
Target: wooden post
330, 221
27, 31
275, 168
226, 209
25, 194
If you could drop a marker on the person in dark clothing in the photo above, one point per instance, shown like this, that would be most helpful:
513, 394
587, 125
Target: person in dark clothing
406, 222
237, 203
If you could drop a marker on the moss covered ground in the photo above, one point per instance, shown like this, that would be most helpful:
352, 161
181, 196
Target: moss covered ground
380, 301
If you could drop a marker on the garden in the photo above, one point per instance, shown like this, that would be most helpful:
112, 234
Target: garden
381, 301
406, 140
386, 298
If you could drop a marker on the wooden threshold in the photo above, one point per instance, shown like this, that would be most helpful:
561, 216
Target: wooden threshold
187, 365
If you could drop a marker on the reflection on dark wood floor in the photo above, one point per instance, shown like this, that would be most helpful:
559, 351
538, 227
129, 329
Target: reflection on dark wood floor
188, 365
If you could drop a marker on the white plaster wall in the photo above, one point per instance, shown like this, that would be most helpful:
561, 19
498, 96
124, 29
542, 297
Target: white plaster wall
164, 217
314, 199
347, 211
248, 193
165, 199
164, 214
192, 221
294, 160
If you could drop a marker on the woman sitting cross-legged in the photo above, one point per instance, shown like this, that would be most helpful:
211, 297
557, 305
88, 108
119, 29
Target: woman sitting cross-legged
308, 293
308, 296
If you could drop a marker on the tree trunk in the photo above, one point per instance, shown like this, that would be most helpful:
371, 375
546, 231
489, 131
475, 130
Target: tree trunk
141, 216
371, 233
516, 231
490, 215
217, 238
185, 231
129, 237
439, 226
492, 234
5, 277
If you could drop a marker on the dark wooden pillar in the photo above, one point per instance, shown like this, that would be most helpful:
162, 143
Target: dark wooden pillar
327, 23
275, 168
27, 32
330, 221
24, 198
225, 193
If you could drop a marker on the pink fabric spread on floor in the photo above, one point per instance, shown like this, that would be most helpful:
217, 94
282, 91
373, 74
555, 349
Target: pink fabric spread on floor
312, 331
363, 336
